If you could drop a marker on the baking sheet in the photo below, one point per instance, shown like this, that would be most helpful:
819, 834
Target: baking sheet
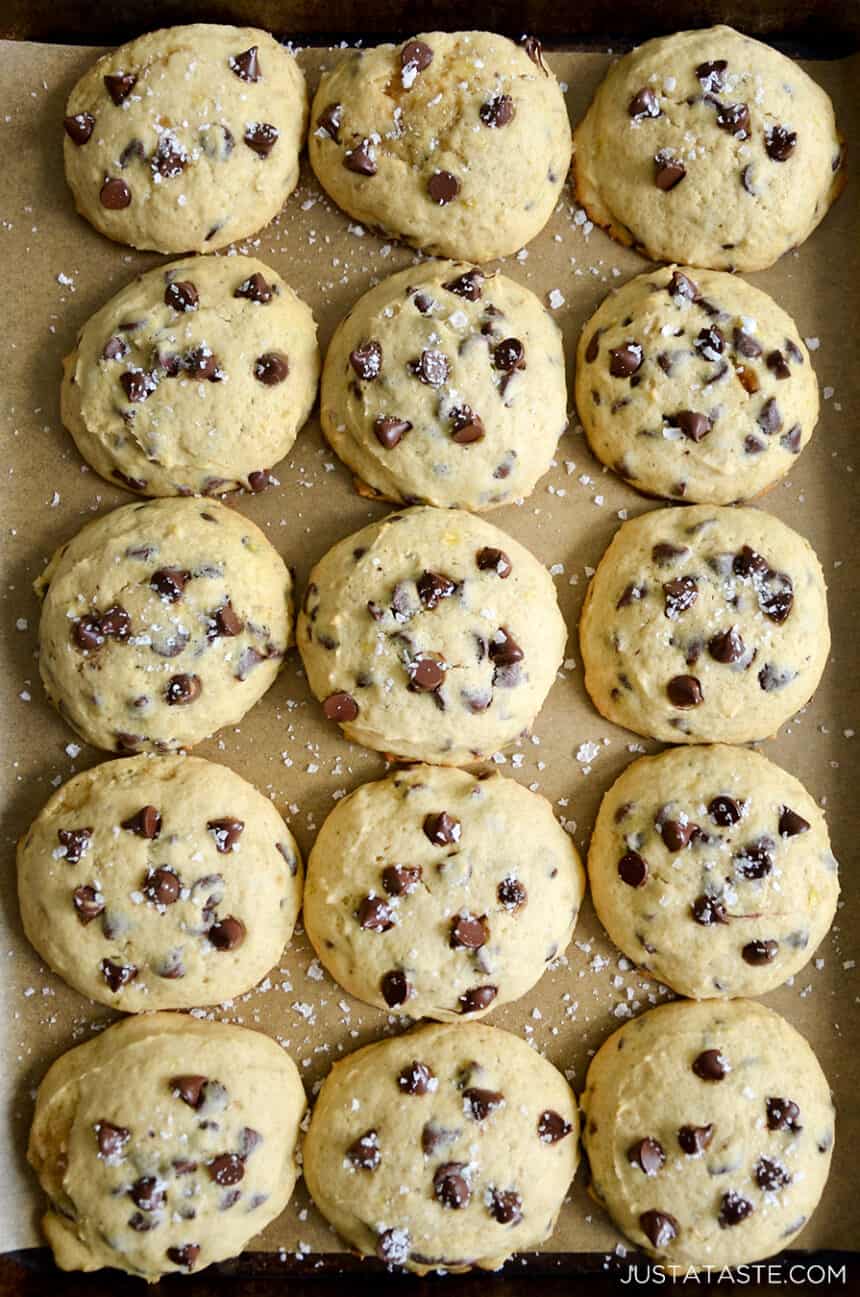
54, 272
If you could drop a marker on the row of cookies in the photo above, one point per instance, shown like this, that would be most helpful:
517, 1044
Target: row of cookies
444, 385
704, 147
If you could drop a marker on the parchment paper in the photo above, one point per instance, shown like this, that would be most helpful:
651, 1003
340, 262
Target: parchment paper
54, 272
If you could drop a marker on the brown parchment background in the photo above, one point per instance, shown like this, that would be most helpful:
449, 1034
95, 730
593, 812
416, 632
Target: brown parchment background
283, 745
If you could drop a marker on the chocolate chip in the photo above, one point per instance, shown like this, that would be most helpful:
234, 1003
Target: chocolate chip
659, 1227
261, 137
498, 111
779, 143
679, 595
182, 690
111, 1140
694, 425
330, 121
88, 903
181, 295
676, 835
227, 1168
790, 823
137, 385
432, 368
426, 673
415, 55
711, 74
271, 368
747, 180
505, 1206
400, 880
534, 49
392, 1247
643, 104
760, 952
433, 587
147, 1194
734, 118
169, 159
633, 869
685, 691
395, 988
625, 360
189, 1089
226, 832
443, 188
552, 1127
202, 365
681, 285
512, 894
114, 194
119, 85
733, 1209
727, 647
668, 171
503, 648
115, 349
755, 860
783, 1114
374, 914
255, 289
246, 65
184, 1256
710, 1065
772, 677
480, 1104
227, 933
360, 160
467, 426
724, 810
777, 362
695, 1139
745, 344
76, 842
790, 440
769, 417
450, 1186
390, 430
79, 127
365, 1153
441, 828
710, 342
770, 1175
169, 583
117, 975
161, 886
477, 999
469, 932
366, 360
226, 622
469, 285
340, 707
258, 480
416, 1078
509, 355
146, 823
647, 1154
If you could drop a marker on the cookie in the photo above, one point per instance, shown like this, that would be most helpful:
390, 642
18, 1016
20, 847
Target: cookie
696, 386
444, 1148
438, 893
159, 883
711, 869
457, 142
704, 625
186, 139
431, 635
165, 1144
709, 148
161, 623
446, 386
709, 1131
195, 379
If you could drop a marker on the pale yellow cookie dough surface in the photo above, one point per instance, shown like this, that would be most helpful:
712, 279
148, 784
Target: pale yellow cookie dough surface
481, 901
739, 204
694, 385
739, 884
194, 379
159, 883
484, 1107
405, 600
146, 1181
162, 622
481, 125
473, 365
170, 167
765, 1132
705, 625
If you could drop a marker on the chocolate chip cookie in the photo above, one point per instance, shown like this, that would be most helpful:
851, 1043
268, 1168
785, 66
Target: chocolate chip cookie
161, 623
457, 142
193, 380
711, 868
705, 625
694, 385
438, 893
159, 883
165, 1144
709, 1132
442, 1149
446, 386
709, 148
186, 139
431, 635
